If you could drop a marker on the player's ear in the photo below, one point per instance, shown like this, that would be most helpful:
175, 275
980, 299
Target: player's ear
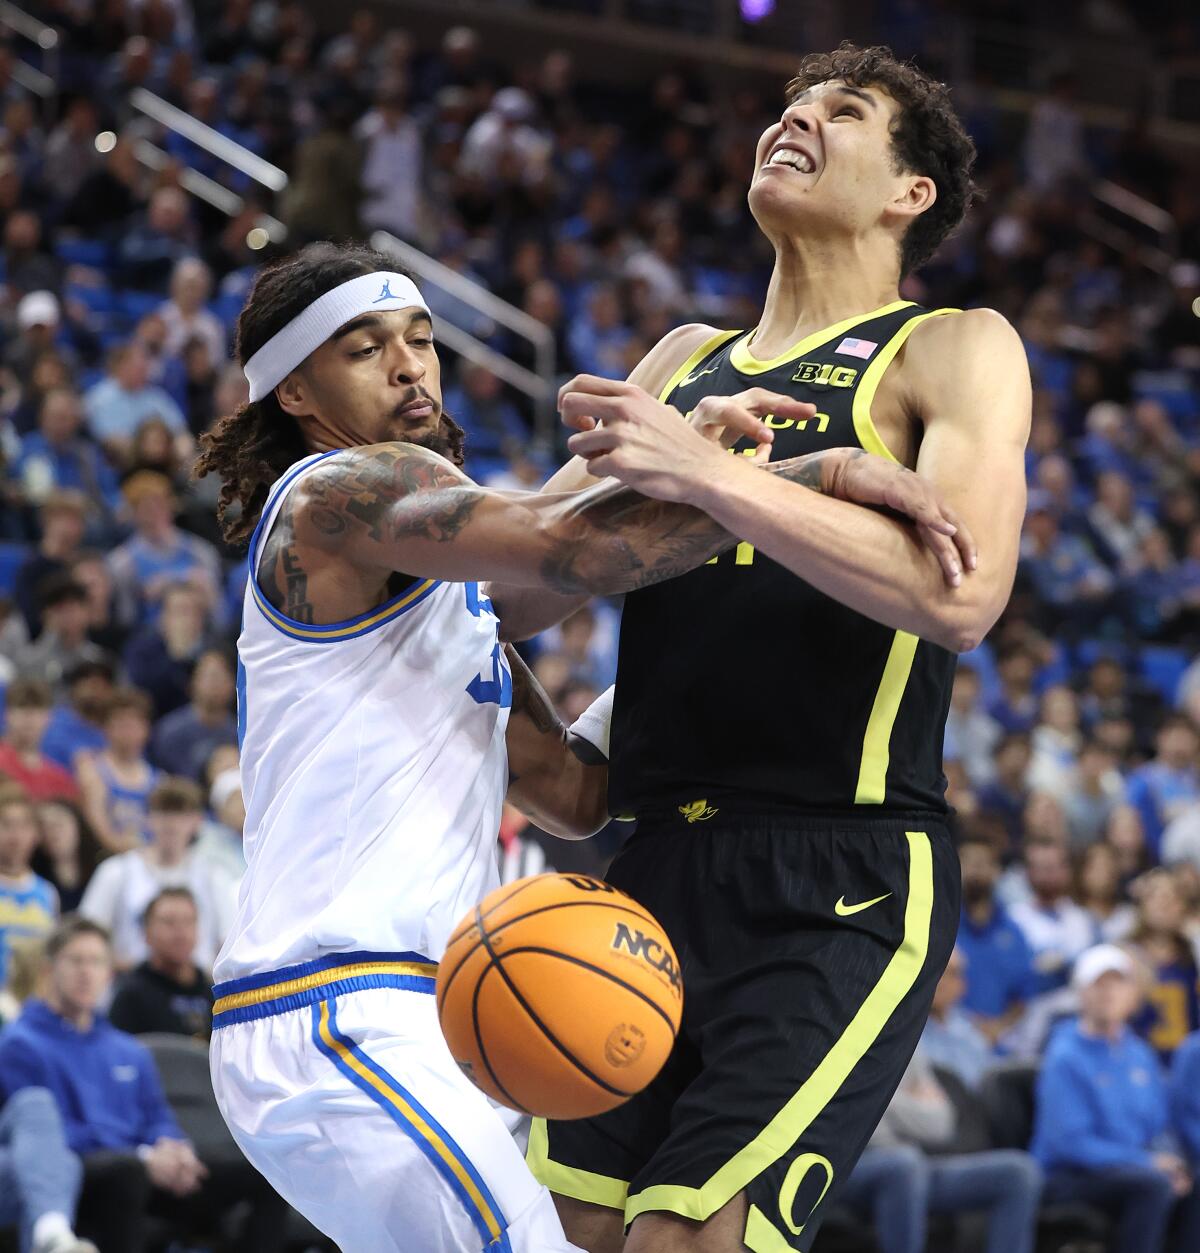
916, 194
292, 395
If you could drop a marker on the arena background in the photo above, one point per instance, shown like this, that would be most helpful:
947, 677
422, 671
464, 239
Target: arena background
566, 179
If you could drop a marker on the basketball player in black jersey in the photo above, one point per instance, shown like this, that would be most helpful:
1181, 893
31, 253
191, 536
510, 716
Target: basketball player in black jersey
779, 711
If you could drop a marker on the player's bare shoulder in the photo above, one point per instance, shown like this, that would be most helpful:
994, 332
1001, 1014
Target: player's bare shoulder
655, 369
951, 361
942, 346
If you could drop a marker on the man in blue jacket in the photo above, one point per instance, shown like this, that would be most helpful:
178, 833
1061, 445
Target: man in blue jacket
1101, 1129
106, 1087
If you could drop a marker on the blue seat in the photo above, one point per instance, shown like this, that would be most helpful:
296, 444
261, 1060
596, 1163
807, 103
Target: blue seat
137, 304
96, 299
93, 252
1163, 668
12, 558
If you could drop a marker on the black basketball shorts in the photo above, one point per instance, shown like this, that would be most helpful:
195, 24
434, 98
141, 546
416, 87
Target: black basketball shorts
810, 948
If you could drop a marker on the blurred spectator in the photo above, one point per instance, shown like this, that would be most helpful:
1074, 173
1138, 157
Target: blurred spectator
1101, 894
598, 337
1056, 929
168, 991
39, 317
184, 315
220, 840
39, 1175
117, 405
900, 1184
1056, 740
56, 456
1181, 839
324, 192
116, 780
28, 903
1075, 592
158, 554
135, 1157
503, 133
63, 643
161, 657
950, 1039
151, 245
77, 726
1172, 1008
1117, 524
28, 266
1165, 786
973, 733
392, 163
1095, 790
68, 852
184, 740
62, 517
1101, 1111
1184, 1099
71, 154
1125, 836
27, 706
124, 885
1007, 793
1014, 706
1000, 972
489, 418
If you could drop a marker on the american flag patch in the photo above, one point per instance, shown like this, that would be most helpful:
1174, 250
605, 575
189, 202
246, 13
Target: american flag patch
856, 348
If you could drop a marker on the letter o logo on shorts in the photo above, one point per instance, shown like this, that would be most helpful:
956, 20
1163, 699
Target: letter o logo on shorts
791, 1185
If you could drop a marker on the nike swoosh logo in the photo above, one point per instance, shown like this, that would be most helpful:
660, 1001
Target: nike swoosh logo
693, 377
844, 911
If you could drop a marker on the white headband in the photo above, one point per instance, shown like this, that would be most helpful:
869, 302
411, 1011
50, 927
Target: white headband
306, 332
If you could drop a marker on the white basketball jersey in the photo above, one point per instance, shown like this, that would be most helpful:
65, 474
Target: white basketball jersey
373, 767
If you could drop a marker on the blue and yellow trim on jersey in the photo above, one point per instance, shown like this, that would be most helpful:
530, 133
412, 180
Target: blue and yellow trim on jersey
331, 632
297, 987
417, 1123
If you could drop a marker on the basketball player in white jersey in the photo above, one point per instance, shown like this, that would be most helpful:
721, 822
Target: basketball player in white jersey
374, 706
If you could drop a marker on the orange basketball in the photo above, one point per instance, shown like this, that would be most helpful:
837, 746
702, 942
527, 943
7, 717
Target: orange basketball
559, 996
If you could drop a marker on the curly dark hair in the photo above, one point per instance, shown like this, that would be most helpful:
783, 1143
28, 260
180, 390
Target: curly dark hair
252, 447
927, 136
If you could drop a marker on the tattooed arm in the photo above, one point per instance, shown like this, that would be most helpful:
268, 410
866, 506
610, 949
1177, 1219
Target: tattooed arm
400, 507
557, 779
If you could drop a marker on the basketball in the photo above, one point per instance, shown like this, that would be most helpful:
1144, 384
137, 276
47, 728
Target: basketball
559, 996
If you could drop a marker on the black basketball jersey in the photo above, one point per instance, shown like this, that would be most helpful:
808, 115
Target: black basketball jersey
847, 712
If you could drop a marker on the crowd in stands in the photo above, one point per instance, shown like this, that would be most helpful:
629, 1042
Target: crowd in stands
1072, 749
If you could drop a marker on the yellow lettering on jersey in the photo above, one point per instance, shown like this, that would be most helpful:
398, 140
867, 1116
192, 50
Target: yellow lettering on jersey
783, 424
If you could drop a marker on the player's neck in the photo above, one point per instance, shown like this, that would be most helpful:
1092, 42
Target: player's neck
819, 285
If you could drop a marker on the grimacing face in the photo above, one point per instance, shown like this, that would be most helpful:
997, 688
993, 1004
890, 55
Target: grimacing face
846, 174
377, 379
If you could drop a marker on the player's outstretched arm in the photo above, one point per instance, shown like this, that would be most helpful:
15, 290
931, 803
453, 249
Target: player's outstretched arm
556, 778
400, 507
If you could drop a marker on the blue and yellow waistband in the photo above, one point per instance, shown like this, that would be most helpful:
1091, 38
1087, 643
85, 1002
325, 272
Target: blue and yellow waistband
295, 987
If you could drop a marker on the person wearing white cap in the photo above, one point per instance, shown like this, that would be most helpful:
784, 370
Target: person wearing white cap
39, 317
1101, 1127
381, 719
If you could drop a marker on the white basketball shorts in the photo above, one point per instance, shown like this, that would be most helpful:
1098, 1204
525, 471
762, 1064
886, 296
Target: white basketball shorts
338, 1086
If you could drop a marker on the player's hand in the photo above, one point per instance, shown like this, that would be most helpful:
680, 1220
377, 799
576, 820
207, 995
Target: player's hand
866, 479
727, 419
624, 432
